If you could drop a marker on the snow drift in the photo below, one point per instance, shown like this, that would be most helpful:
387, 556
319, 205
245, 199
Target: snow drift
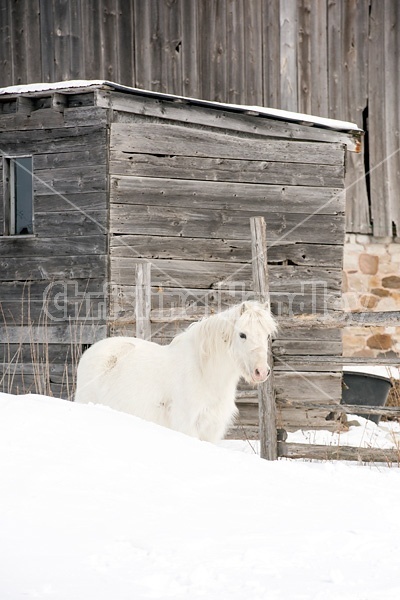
99, 504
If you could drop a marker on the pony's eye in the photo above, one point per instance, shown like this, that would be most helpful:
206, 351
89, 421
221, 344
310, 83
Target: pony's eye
243, 336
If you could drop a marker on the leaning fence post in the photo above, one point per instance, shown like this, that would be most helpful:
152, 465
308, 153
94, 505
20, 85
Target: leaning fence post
143, 300
266, 395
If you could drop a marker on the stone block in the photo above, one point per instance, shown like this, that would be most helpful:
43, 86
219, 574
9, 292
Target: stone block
363, 239
380, 292
368, 264
392, 282
368, 301
380, 341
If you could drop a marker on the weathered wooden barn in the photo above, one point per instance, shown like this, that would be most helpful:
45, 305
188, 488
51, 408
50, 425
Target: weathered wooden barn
332, 58
97, 177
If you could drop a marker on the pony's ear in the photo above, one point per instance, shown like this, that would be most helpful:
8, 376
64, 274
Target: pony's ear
243, 308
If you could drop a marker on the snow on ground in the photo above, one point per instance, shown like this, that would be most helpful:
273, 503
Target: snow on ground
96, 504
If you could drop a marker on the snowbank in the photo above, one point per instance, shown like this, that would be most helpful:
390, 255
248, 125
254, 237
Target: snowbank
98, 504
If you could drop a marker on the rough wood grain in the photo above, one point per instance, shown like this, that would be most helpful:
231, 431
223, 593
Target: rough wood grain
191, 248
197, 222
143, 301
207, 274
131, 190
171, 140
126, 108
241, 171
266, 391
52, 268
319, 452
53, 334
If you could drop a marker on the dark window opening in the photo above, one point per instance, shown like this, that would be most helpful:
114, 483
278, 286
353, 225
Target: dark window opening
18, 197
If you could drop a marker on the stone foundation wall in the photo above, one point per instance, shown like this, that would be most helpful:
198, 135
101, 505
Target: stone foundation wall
371, 281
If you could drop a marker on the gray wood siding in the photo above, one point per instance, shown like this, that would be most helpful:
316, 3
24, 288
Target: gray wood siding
182, 192
53, 285
336, 58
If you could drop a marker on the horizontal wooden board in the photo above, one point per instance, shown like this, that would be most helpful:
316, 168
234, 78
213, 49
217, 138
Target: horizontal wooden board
73, 223
216, 118
86, 116
207, 274
48, 118
287, 419
212, 195
45, 354
283, 348
90, 155
191, 248
307, 387
40, 119
62, 139
225, 224
33, 384
25, 291
70, 180
66, 202
40, 247
310, 451
60, 333
52, 268
173, 140
55, 309
224, 169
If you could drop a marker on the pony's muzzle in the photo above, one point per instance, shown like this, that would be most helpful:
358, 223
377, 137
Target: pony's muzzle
260, 374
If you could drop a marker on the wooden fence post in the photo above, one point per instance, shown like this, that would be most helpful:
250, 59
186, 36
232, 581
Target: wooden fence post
143, 300
266, 395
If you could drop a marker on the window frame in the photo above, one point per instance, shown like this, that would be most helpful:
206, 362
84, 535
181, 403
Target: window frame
9, 196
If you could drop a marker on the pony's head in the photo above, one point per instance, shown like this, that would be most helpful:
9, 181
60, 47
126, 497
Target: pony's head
252, 326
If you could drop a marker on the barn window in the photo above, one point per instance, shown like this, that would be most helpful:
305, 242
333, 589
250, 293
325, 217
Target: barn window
18, 196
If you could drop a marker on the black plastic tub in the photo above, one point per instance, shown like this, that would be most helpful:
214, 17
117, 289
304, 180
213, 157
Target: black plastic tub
365, 389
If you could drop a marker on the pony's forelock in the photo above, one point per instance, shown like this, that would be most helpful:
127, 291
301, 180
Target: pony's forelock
217, 331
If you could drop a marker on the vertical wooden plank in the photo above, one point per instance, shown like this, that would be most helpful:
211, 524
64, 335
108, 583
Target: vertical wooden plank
266, 396
335, 59
382, 225
32, 43
271, 53
353, 86
62, 38
212, 39
125, 38
319, 58
90, 40
19, 37
148, 45
47, 40
304, 57
171, 57
253, 94
76, 55
6, 45
392, 111
190, 49
143, 300
109, 44
235, 47
288, 55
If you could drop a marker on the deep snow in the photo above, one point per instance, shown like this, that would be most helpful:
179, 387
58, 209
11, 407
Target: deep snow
99, 505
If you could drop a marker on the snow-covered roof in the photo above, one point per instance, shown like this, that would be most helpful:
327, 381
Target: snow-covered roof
284, 115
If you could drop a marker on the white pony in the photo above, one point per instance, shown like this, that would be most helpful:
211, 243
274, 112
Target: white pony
188, 385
